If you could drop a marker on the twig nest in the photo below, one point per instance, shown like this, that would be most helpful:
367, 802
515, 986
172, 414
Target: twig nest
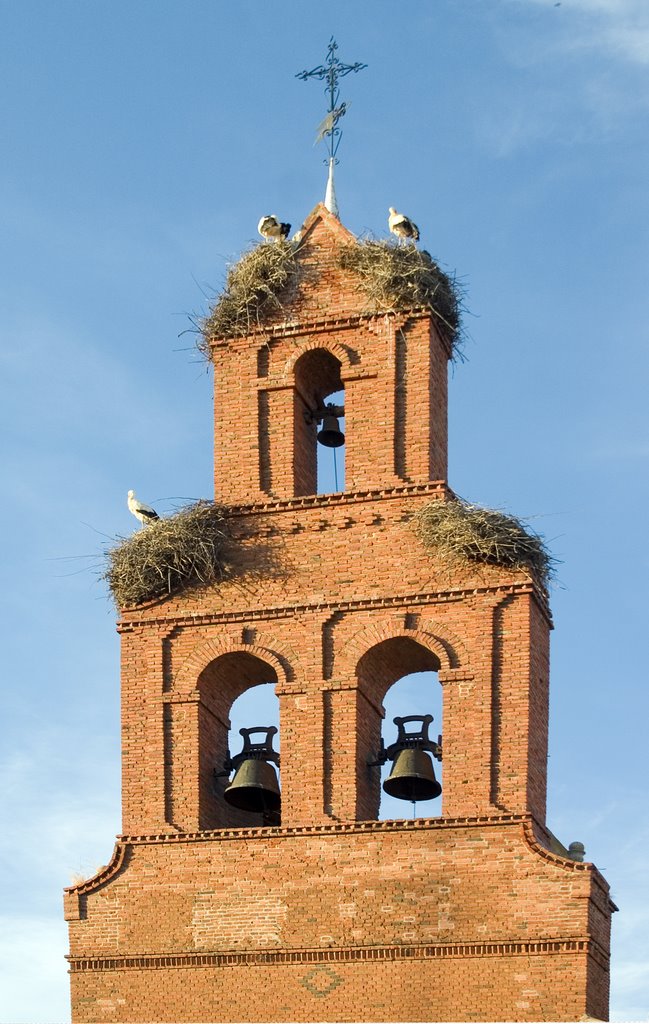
457, 529
253, 286
169, 555
400, 277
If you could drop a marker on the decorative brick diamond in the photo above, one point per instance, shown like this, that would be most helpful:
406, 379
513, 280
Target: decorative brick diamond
321, 981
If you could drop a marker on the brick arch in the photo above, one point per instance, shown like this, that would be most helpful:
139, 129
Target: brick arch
457, 653
279, 658
447, 648
332, 347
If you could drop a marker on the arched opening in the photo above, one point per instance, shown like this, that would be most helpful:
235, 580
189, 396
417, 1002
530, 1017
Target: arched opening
319, 468
236, 691
420, 694
254, 719
331, 459
398, 677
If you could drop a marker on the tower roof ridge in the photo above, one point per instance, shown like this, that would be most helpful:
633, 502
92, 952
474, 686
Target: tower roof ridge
320, 214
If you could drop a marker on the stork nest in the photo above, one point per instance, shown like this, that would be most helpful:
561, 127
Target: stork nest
401, 277
459, 530
168, 555
252, 291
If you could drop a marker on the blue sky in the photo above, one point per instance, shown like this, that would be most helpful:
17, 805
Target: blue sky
140, 144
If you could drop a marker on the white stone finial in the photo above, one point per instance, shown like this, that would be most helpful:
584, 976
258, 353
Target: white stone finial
330, 195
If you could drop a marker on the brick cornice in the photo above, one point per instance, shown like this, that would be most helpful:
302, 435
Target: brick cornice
524, 821
555, 858
72, 893
458, 950
335, 828
436, 488
322, 325
131, 620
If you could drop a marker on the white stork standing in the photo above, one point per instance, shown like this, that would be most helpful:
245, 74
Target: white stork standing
402, 226
271, 228
143, 512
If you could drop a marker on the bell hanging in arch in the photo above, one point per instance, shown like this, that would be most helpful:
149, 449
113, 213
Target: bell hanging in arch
330, 435
412, 776
255, 786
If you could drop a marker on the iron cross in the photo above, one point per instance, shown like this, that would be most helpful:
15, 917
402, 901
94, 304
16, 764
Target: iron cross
331, 72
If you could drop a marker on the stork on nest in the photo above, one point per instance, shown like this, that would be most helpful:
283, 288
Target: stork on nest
272, 229
401, 226
140, 510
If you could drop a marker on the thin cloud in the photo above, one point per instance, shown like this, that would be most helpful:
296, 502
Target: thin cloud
597, 52
619, 28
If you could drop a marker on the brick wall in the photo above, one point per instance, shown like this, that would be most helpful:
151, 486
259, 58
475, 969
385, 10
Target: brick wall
428, 920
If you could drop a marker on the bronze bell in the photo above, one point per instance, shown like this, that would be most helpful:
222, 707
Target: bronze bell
255, 786
412, 776
330, 435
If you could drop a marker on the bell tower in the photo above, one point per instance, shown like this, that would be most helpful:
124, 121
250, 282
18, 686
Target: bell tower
240, 892
393, 370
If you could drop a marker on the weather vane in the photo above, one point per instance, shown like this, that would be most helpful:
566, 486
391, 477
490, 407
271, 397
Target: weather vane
331, 72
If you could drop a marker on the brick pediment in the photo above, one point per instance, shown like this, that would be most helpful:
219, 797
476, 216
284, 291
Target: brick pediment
322, 289
321, 226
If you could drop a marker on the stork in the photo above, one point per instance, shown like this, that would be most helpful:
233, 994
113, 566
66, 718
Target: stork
402, 226
140, 510
271, 228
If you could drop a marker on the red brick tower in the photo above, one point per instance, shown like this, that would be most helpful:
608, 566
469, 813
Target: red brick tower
207, 913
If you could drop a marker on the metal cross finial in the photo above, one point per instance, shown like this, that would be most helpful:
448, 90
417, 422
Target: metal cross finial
331, 72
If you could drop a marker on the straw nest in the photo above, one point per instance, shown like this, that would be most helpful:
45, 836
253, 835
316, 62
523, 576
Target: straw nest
253, 287
400, 277
168, 555
459, 530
